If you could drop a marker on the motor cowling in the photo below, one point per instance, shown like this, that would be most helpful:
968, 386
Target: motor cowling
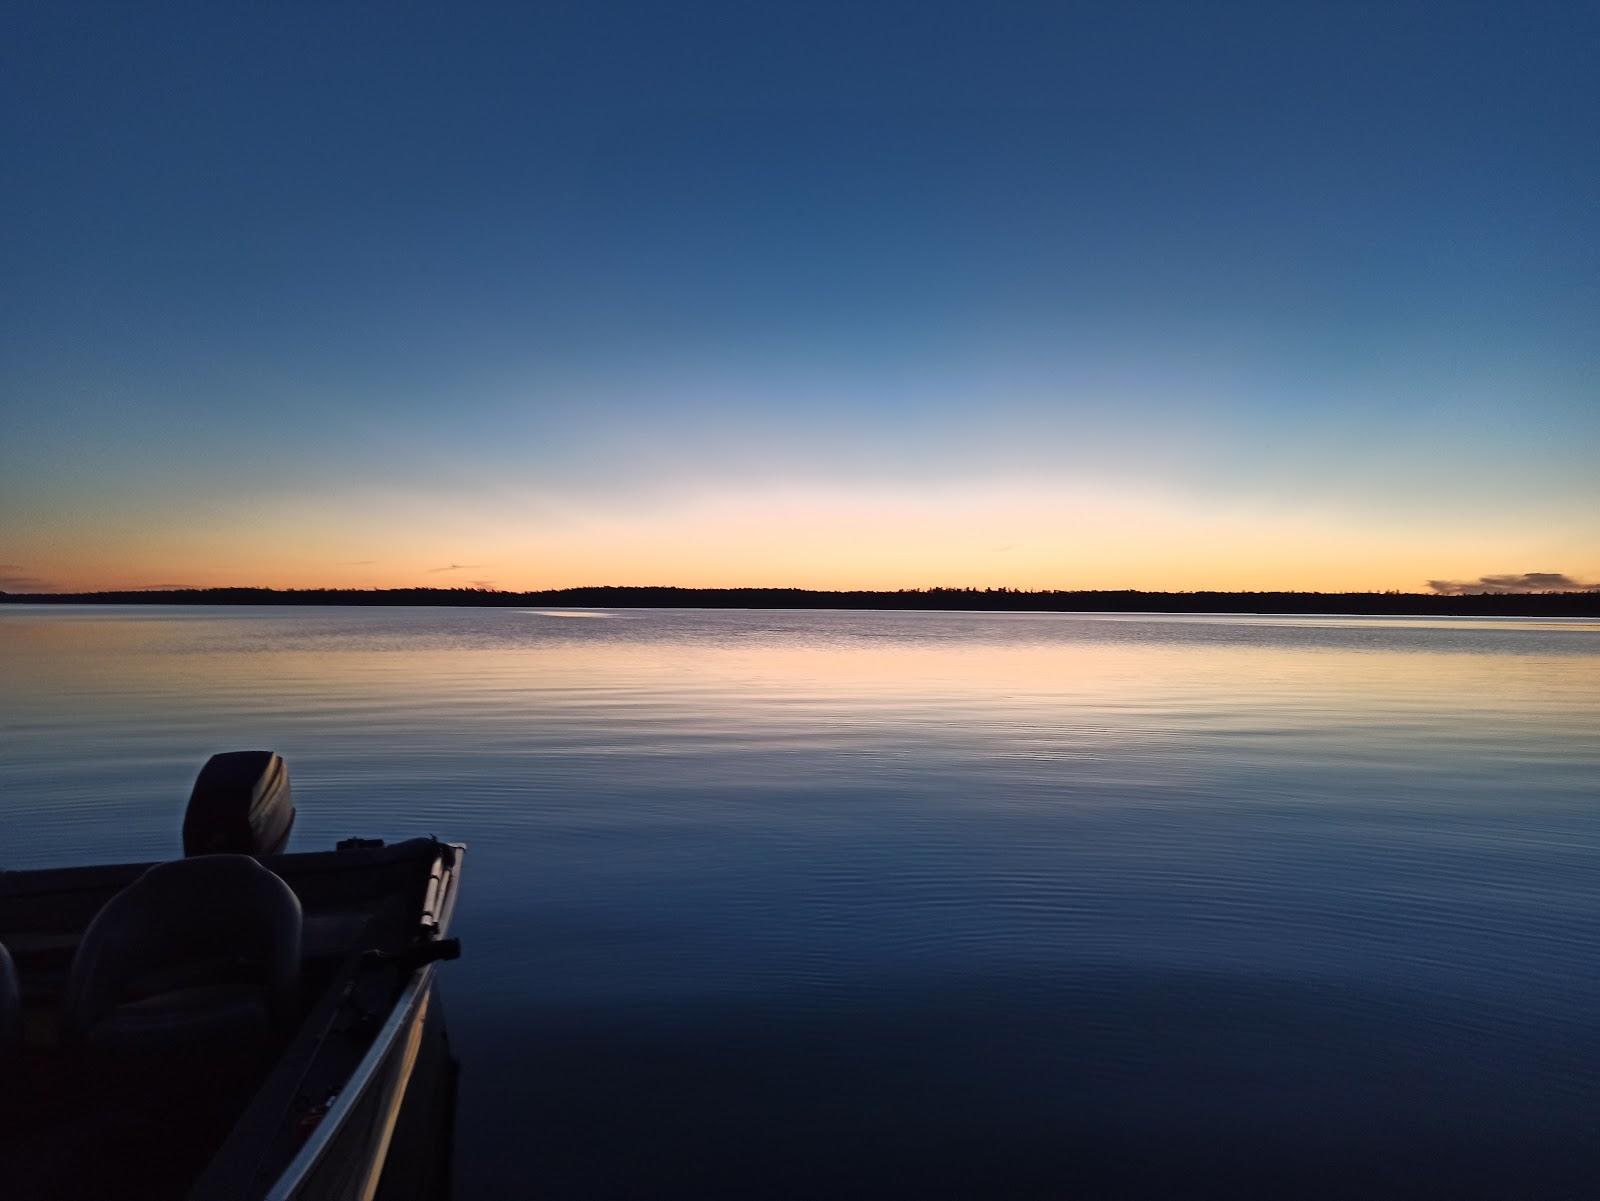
241, 804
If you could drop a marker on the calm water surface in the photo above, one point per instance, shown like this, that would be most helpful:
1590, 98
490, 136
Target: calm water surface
868, 904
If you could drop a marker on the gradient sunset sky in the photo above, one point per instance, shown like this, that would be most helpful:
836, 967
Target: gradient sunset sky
860, 295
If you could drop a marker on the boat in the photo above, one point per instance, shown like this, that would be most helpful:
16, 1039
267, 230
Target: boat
239, 1024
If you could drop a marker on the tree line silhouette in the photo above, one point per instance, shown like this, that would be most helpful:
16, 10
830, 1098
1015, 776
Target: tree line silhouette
1015, 600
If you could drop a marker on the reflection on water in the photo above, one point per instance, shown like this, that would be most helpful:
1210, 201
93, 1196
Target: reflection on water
821, 904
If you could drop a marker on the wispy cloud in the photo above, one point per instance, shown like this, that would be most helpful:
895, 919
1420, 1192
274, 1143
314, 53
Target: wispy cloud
1527, 581
13, 578
454, 567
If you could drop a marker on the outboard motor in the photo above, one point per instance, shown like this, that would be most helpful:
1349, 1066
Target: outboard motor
240, 805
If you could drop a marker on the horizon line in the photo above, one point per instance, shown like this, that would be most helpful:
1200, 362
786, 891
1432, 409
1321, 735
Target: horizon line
1574, 602
997, 589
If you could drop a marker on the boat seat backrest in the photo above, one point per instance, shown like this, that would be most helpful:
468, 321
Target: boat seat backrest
220, 932
10, 1008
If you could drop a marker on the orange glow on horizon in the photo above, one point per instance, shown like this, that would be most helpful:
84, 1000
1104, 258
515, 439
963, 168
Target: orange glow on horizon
1031, 537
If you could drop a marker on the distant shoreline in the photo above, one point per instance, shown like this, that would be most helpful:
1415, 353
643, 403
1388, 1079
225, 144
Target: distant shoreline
999, 600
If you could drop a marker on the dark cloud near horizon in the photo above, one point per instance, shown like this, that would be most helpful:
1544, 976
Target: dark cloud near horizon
23, 583
1527, 581
489, 584
454, 567
12, 579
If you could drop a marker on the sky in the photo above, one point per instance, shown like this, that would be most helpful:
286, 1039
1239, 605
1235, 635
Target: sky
1122, 295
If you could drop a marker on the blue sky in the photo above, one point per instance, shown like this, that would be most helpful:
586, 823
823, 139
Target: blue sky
812, 294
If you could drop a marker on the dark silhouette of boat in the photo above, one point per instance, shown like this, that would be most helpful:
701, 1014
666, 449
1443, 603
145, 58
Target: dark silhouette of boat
238, 1024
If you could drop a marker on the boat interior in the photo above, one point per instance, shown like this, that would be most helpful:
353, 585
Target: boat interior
181, 1028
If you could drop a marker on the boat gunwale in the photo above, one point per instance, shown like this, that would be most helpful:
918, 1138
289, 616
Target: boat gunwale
405, 1009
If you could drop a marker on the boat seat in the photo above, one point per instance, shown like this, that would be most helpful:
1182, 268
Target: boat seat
195, 957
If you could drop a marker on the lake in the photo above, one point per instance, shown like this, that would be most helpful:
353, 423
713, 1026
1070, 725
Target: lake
828, 904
